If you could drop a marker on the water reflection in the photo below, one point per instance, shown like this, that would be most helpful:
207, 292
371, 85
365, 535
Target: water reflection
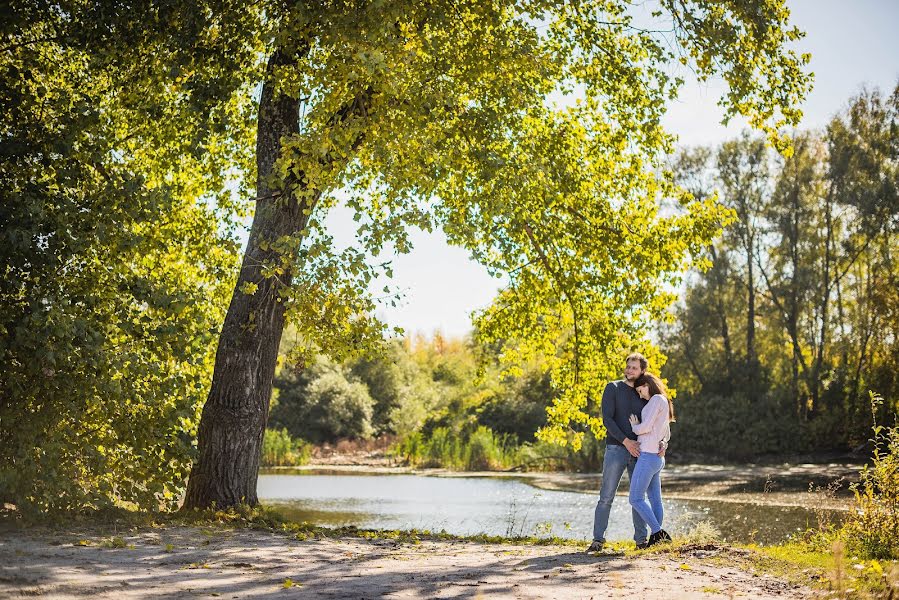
501, 506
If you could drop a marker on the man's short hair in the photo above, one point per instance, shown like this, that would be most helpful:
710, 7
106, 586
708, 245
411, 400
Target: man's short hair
639, 357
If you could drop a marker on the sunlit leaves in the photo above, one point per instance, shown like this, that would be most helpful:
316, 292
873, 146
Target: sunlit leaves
119, 130
452, 126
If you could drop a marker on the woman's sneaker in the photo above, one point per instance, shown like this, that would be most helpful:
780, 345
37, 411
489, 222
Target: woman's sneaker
659, 536
596, 546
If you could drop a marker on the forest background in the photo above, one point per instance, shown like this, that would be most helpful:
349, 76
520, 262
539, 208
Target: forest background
771, 350
108, 323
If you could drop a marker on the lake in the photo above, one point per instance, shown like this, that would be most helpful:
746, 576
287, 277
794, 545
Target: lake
505, 506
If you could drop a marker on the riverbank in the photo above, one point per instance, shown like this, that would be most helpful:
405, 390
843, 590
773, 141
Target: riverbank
206, 561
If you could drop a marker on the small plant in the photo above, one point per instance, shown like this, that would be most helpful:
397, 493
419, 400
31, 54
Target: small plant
409, 450
703, 533
115, 542
872, 527
281, 450
444, 449
484, 452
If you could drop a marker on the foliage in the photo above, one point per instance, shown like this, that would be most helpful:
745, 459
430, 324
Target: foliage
402, 392
406, 117
122, 123
519, 407
323, 403
738, 425
798, 312
444, 449
281, 450
485, 451
872, 528
120, 129
482, 449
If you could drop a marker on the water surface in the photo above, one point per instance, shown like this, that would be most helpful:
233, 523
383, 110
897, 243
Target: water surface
501, 506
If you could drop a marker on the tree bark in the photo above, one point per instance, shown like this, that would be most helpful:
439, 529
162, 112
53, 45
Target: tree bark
717, 265
234, 416
233, 422
823, 310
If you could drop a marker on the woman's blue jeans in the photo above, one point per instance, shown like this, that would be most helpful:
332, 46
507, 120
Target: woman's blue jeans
646, 483
615, 460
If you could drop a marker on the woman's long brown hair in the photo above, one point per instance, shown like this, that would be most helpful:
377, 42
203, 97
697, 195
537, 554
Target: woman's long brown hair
656, 386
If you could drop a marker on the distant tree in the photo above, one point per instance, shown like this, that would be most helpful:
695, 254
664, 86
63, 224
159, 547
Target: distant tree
323, 403
825, 240
403, 392
520, 407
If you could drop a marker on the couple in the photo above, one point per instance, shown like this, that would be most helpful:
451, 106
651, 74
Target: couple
636, 412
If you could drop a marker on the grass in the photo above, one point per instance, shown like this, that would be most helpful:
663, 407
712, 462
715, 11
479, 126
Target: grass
835, 571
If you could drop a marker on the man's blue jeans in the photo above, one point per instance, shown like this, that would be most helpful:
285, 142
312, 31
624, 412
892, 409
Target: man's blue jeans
646, 482
614, 462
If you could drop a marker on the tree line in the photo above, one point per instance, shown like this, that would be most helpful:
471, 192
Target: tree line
773, 347
445, 403
776, 345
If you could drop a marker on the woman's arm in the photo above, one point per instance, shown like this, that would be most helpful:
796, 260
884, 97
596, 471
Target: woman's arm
650, 414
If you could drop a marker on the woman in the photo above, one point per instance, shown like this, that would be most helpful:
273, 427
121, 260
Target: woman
652, 430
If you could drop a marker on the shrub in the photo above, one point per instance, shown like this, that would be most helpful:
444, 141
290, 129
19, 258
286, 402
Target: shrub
872, 527
735, 426
444, 449
323, 403
410, 449
483, 452
281, 450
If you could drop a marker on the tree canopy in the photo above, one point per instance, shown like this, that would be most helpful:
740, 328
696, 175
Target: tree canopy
459, 115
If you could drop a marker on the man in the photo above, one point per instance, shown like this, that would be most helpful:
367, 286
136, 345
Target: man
619, 402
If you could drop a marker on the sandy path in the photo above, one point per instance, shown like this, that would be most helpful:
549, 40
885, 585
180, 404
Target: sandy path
191, 562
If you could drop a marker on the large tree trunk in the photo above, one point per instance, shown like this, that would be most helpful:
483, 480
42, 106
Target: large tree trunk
233, 422
234, 416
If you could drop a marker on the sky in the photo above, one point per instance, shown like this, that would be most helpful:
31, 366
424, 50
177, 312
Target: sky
853, 43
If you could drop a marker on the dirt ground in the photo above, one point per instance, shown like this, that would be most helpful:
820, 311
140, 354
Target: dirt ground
193, 562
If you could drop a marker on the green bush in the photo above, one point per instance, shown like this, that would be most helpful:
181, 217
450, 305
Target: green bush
480, 451
409, 449
281, 450
738, 425
323, 403
519, 406
444, 449
872, 527
483, 451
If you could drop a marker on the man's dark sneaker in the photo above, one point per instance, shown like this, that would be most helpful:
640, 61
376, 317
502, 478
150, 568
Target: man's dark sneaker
596, 546
642, 545
659, 536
